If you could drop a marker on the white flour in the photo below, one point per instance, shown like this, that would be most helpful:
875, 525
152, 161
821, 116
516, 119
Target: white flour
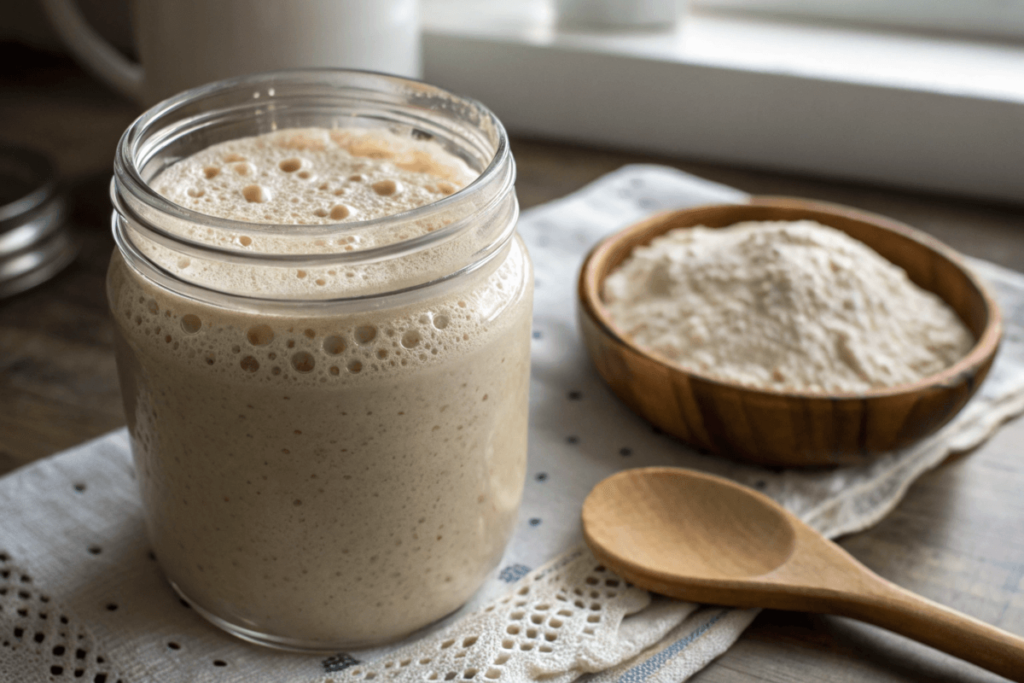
787, 306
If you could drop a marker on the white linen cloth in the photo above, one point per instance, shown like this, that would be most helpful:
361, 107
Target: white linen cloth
82, 599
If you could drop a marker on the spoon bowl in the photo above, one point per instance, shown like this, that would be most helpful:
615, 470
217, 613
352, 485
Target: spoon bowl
705, 539
713, 509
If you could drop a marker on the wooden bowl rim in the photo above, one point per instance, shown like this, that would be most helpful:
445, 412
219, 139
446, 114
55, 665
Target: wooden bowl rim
984, 347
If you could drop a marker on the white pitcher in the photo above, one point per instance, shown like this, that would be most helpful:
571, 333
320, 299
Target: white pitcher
185, 43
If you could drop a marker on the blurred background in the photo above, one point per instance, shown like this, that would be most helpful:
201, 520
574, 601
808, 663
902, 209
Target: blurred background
923, 94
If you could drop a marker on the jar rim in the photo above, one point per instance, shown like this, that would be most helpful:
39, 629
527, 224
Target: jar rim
128, 175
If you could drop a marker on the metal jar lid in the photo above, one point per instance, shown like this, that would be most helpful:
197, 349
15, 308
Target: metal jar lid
34, 244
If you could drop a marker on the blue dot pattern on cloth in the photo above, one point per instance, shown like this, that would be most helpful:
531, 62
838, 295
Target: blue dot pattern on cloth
339, 662
513, 572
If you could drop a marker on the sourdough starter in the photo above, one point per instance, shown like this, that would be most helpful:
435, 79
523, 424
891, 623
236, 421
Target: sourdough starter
338, 477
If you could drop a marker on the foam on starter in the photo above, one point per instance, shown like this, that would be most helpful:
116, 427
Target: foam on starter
329, 182
331, 477
314, 176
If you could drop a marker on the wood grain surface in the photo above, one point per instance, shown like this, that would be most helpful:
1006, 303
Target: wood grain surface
956, 538
791, 428
705, 539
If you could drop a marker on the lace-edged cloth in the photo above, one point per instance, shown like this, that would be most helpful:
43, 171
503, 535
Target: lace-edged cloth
560, 621
37, 635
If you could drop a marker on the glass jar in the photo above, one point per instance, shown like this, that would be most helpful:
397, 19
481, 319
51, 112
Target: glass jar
331, 466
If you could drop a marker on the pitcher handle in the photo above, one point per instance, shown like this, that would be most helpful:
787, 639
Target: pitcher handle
93, 51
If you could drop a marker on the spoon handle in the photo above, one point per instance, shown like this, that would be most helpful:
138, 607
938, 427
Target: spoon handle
896, 609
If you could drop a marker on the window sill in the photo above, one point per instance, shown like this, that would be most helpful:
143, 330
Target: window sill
934, 113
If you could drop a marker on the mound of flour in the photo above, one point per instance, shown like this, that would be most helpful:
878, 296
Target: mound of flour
788, 306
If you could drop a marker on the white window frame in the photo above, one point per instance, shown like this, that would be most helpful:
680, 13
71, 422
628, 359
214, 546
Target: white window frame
997, 18
939, 113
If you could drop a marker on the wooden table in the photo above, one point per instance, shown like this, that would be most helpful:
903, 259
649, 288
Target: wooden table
957, 538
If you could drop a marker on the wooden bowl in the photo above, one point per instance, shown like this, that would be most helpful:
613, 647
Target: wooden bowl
785, 427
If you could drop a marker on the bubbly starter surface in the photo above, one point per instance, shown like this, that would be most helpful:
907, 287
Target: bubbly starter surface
337, 479
314, 176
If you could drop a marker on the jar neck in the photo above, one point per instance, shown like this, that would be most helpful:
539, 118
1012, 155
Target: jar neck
206, 257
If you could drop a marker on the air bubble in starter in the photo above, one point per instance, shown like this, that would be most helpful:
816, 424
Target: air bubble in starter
366, 334
387, 188
256, 194
334, 345
260, 335
411, 339
303, 362
191, 323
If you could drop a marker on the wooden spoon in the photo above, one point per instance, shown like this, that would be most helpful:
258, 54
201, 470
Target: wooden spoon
705, 539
